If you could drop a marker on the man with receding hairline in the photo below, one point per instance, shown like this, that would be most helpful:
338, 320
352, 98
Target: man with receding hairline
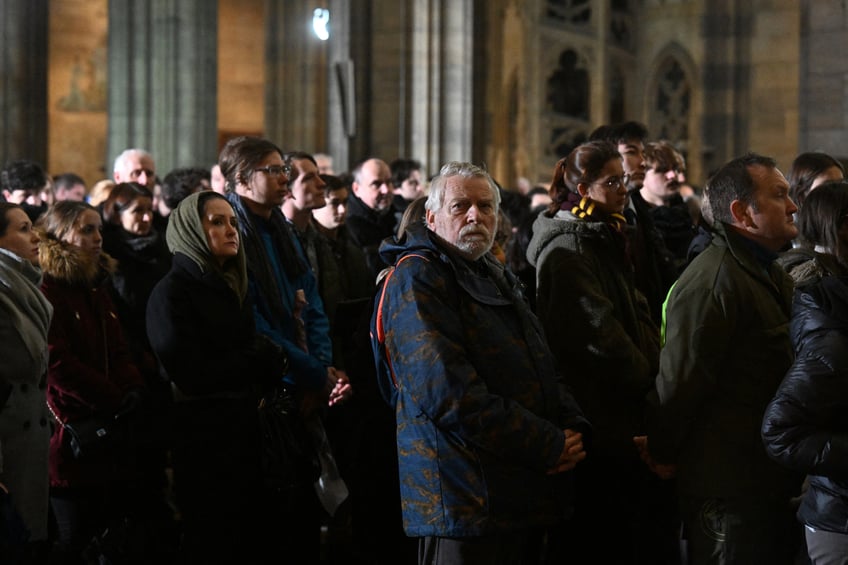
727, 348
135, 165
369, 214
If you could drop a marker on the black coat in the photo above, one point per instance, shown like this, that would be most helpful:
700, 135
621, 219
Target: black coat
204, 338
368, 228
806, 425
142, 262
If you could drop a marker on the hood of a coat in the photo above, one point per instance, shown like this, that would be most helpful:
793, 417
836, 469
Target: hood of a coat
564, 223
68, 263
477, 278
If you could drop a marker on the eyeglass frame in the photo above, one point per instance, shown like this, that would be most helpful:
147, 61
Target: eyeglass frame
284, 170
621, 181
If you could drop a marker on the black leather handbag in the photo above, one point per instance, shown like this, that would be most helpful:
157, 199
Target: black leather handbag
93, 435
289, 458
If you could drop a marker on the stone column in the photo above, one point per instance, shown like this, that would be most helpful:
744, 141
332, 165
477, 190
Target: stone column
452, 93
341, 117
23, 80
163, 81
419, 80
296, 77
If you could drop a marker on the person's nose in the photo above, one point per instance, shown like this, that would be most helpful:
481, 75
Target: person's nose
792, 208
35, 238
147, 217
472, 215
98, 237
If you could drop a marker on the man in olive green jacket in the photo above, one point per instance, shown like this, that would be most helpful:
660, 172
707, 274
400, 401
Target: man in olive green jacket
727, 348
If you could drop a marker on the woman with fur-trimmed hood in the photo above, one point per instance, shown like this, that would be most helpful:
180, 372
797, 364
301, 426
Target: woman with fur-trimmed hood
90, 372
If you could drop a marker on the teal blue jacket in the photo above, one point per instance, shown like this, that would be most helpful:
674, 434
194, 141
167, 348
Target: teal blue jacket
480, 410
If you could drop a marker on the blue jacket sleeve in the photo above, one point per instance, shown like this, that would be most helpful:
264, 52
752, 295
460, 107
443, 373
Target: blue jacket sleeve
304, 369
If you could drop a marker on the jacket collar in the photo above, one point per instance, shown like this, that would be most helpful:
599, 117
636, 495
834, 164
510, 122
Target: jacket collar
485, 279
70, 264
759, 262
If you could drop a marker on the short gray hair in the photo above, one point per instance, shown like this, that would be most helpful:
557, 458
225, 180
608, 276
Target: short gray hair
119, 160
436, 196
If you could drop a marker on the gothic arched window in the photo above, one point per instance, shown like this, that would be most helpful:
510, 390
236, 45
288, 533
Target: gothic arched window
616, 95
672, 102
574, 12
568, 87
621, 24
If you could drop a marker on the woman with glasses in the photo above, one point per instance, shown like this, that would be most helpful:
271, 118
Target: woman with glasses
804, 426
600, 330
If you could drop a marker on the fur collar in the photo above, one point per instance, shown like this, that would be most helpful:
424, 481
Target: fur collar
67, 263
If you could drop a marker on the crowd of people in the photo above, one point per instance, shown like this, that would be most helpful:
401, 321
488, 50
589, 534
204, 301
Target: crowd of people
265, 360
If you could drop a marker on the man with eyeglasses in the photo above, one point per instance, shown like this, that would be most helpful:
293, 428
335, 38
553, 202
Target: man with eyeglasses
369, 214
289, 311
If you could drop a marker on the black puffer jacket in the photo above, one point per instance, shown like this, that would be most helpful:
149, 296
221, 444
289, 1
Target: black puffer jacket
805, 426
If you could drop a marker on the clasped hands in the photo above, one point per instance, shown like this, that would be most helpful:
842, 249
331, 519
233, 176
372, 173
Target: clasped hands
572, 453
342, 390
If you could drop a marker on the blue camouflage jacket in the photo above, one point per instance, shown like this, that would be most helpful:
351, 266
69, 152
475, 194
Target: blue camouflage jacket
480, 410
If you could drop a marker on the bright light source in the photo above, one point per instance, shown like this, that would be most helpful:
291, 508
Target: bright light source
320, 21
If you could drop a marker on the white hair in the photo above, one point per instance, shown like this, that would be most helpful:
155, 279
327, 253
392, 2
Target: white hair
436, 196
120, 159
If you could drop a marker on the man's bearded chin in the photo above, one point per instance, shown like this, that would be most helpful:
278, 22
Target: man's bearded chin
474, 248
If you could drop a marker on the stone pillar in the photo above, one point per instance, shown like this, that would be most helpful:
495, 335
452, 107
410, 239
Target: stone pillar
163, 81
726, 29
341, 117
23, 80
296, 77
452, 93
419, 80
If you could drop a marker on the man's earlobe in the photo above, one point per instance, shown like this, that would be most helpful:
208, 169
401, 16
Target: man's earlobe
741, 213
429, 218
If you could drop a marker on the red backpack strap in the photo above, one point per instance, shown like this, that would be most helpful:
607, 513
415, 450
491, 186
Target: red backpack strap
381, 331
